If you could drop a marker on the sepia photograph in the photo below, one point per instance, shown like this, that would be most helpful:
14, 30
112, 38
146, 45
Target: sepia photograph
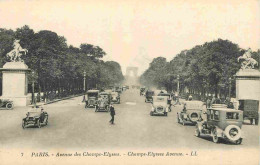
129, 82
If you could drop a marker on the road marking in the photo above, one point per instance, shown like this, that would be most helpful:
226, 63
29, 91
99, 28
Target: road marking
130, 103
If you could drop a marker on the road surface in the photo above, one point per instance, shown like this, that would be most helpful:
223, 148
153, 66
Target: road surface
71, 126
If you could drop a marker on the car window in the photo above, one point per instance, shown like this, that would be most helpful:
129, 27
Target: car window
216, 115
232, 115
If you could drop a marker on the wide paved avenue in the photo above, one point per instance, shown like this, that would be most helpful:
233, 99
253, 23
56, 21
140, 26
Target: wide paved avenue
72, 126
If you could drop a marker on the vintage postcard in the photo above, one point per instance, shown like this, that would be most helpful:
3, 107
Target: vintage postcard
129, 82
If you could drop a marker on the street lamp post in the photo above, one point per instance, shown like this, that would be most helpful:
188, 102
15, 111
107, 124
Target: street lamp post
178, 84
84, 85
229, 90
33, 98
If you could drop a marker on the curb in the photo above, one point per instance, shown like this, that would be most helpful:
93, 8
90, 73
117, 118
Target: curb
65, 98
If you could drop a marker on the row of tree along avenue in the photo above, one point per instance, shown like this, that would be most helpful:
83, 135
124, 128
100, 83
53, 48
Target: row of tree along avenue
204, 69
59, 68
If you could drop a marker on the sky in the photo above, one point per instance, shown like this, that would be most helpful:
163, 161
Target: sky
133, 32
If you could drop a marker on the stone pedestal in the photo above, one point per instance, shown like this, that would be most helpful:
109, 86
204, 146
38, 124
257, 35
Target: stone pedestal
14, 85
248, 84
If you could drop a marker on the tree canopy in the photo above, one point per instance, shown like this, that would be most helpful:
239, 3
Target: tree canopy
203, 68
57, 66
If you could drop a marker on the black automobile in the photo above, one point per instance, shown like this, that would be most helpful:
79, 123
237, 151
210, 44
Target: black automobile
6, 104
250, 109
149, 96
36, 117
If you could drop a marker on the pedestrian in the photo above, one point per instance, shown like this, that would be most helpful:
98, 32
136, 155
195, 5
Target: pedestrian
84, 98
112, 113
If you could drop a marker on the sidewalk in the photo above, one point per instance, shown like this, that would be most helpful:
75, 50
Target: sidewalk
57, 100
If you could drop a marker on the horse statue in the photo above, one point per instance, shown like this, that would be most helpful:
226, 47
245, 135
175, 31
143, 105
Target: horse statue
16, 53
249, 62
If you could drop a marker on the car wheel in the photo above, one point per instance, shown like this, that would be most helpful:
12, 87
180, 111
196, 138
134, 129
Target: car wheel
215, 136
178, 119
256, 121
183, 122
197, 131
9, 105
145, 101
151, 113
233, 132
239, 141
166, 114
39, 123
23, 124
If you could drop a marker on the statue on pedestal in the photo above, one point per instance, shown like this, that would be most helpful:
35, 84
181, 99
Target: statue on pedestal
249, 62
16, 53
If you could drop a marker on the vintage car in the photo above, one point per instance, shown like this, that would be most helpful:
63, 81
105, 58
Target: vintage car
191, 112
149, 96
102, 105
221, 123
159, 106
118, 89
103, 102
92, 97
250, 110
35, 117
105, 96
142, 91
169, 99
6, 104
115, 97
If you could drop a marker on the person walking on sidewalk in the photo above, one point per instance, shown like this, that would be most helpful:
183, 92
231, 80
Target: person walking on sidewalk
112, 113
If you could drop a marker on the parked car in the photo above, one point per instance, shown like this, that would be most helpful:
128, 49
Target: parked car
35, 117
115, 97
169, 99
159, 106
191, 112
250, 110
6, 104
92, 98
222, 123
149, 96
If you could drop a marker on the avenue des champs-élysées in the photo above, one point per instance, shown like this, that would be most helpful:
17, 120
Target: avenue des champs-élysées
129, 82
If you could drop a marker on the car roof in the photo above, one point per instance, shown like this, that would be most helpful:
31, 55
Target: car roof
92, 91
225, 109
